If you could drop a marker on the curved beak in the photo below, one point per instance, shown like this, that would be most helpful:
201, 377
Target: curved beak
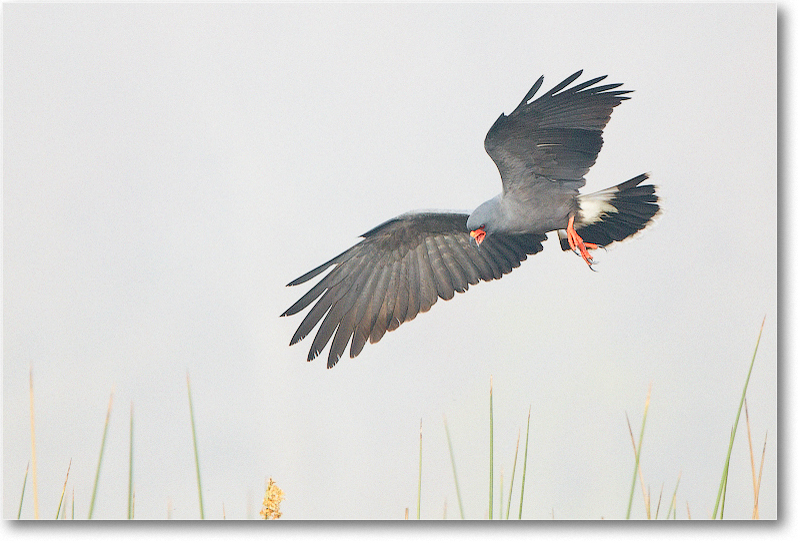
478, 235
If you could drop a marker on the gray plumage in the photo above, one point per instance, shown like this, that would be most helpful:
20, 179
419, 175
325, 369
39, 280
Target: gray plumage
402, 267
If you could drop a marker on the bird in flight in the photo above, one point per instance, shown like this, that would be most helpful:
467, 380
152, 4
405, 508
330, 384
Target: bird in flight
403, 266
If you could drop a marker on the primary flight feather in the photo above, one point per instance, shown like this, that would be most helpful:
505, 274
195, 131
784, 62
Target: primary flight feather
403, 266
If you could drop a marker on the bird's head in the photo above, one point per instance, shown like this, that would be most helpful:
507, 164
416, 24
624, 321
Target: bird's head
483, 221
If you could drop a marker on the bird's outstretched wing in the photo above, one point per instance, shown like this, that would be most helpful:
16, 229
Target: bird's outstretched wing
556, 137
400, 269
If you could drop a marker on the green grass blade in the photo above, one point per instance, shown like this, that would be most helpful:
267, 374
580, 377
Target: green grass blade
491, 450
638, 453
511, 485
524, 464
419, 479
22, 496
725, 486
724, 482
194, 443
501, 492
100, 460
673, 504
61, 500
130, 471
641, 479
453, 463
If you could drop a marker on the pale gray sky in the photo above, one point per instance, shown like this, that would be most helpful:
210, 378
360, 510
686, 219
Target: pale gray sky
169, 168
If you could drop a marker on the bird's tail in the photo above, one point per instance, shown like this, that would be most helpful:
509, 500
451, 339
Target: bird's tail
615, 213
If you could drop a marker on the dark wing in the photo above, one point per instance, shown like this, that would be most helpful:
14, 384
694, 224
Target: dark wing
557, 136
400, 268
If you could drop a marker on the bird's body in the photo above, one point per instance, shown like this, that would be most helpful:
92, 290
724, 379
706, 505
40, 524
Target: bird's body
525, 212
403, 266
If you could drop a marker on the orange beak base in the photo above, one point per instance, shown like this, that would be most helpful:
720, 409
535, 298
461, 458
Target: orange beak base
478, 235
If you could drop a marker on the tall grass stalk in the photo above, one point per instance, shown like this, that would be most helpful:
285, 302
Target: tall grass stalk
750, 446
511, 485
453, 463
760, 472
673, 506
660, 495
194, 443
638, 451
100, 460
33, 453
419, 477
524, 464
756, 482
641, 479
63, 490
22, 496
130, 470
724, 482
501, 492
491, 451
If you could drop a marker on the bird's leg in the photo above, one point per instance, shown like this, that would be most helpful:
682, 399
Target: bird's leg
577, 244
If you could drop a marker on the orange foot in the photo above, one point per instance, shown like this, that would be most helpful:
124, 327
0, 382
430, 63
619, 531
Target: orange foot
577, 244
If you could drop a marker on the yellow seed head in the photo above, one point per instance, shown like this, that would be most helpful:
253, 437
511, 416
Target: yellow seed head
272, 502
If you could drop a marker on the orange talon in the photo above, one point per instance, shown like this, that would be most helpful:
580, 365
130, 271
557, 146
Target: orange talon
577, 244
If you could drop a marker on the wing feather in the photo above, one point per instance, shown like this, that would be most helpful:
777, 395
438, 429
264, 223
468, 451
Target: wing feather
457, 278
398, 314
555, 137
338, 310
412, 283
441, 273
497, 256
471, 256
472, 274
354, 314
400, 269
333, 292
427, 282
386, 310
372, 306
